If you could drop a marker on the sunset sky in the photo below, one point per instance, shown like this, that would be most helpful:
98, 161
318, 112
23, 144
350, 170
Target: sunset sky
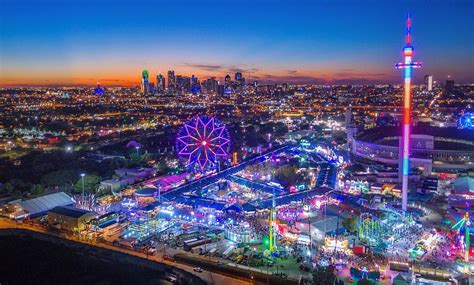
315, 41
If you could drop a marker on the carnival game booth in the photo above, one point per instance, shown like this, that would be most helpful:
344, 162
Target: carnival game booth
336, 244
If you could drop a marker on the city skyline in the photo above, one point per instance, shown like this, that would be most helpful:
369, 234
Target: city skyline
53, 43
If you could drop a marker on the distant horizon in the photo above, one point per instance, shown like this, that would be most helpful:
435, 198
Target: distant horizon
419, 80
137, 84
293, 80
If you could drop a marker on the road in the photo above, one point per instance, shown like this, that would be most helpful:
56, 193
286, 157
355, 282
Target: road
209, 277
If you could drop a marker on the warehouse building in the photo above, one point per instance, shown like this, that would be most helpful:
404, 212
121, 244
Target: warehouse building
69, 218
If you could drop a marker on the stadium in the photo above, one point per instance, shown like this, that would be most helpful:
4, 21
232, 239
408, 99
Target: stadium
432, 148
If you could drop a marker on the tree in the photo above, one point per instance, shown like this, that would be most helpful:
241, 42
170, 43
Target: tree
59, 177
162, 168
7, 188
90, 184
286, 175
36, 189
16, 194
324, 275
350, 224
280, 130
20, 185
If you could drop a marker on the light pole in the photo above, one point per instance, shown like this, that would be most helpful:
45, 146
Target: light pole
82, 178
159, 196
137, 148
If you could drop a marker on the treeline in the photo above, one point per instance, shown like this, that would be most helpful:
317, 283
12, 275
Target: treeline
38, 172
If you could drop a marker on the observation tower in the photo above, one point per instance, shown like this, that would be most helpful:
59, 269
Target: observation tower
407, 65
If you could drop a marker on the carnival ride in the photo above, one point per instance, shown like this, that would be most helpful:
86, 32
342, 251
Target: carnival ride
371, 229
463, 228
202, 143
466, 121
407, 65
384, 230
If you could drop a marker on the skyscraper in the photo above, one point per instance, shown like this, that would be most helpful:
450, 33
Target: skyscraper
429, 82
145, 81
220, 89
238, 76
227, 81
448, 87
212, 84
171, 80
183, 83
407, 66
195, 85
240, 81
150, 88
194, 81
160, 83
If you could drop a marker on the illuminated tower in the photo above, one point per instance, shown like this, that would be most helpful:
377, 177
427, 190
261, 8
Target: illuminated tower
407, 67
145, 81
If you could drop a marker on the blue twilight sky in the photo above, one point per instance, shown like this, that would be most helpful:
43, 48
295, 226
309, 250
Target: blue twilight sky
334, 41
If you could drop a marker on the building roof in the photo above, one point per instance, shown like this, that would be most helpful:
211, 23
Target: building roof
377, 134
248, 207
40, 205
146, 192
464, 185
134, 171
400, 279
329, 224
200, 202
69, 211
151, 206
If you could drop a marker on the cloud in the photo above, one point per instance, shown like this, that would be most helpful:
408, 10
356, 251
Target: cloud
243, 68
355, 74
296, 79
342, 77
290, 71
114, 80
207, 67
356, 81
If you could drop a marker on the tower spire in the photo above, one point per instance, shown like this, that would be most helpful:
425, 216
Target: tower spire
408, 36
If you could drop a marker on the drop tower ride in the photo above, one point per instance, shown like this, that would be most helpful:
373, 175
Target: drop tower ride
407, 65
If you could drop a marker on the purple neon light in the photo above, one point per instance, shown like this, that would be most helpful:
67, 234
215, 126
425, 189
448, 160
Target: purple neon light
202, 141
